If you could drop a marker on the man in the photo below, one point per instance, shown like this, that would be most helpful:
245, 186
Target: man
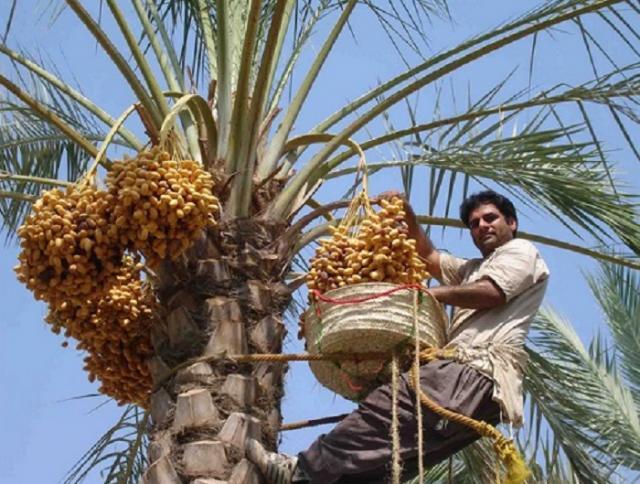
495, 298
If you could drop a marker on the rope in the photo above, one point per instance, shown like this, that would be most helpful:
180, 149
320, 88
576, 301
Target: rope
272, 358
417, 384
517, 471
396, 468
356, 300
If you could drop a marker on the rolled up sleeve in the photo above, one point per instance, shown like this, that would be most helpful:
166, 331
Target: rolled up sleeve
514, 268
452, 269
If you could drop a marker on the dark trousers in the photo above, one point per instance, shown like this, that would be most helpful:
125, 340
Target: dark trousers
358, 449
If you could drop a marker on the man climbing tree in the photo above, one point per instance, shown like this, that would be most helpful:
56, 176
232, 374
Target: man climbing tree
495, 299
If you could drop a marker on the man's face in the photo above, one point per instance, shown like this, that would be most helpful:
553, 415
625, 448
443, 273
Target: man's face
489, 228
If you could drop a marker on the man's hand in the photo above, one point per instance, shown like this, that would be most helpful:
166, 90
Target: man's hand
389, 194
424, 246
410, 214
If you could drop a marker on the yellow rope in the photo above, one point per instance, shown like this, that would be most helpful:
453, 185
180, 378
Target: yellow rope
517, 470
273, 358
396, 468
416, 383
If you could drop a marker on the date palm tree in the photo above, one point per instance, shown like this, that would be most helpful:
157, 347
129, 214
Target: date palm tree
214, 74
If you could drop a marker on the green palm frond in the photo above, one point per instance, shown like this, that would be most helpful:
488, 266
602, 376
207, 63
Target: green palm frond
475, 464
480, 462
7, 27
618, 88
546, 460
22, 128
465, 145
427, 73
119, 455
441, 473
618, 292
546, 171
39, 69
118, 59
304, 26
528, 24
32, 149
403, 22
564, 179
587, 407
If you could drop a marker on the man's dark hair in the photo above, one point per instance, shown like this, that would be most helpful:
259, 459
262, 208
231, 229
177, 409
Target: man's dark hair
501, 202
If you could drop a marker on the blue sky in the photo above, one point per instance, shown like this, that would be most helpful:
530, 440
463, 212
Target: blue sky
45, 429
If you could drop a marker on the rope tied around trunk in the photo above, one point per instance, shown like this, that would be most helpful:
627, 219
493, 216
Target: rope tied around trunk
517, 470
270, 358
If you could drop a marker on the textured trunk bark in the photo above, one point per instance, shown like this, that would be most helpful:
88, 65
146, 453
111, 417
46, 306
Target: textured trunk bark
225, 295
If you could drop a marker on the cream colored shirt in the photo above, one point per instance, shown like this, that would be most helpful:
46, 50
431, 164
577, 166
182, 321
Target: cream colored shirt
492, 340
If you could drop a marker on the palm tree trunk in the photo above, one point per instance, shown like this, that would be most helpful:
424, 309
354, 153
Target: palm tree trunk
226, 295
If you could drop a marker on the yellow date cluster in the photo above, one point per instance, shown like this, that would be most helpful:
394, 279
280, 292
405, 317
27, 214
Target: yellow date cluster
380, 251
67, 252
115, 333
72, 257
161, 205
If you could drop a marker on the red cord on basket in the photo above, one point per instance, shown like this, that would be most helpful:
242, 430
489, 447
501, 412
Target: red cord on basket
352, 386
318, 295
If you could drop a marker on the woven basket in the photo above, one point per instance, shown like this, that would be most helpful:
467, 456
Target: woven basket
376, 325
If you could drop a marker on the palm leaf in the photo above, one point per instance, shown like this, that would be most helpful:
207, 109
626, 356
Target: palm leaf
610, 89
64, 90
468, 52
587, 407
440, 473
33, 149
618, 292
7, 27
565, 179
119, 454
180, 13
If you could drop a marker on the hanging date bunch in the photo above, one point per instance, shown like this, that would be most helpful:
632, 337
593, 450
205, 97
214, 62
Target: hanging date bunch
73, 245
68, 251
368, 246
161, 204
115, 331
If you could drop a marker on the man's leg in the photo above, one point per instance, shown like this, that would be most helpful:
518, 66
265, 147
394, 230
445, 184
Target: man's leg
359, 446
358, 449
440, 445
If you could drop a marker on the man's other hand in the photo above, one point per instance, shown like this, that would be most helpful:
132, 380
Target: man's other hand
424, 246
389, 194
412, 221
